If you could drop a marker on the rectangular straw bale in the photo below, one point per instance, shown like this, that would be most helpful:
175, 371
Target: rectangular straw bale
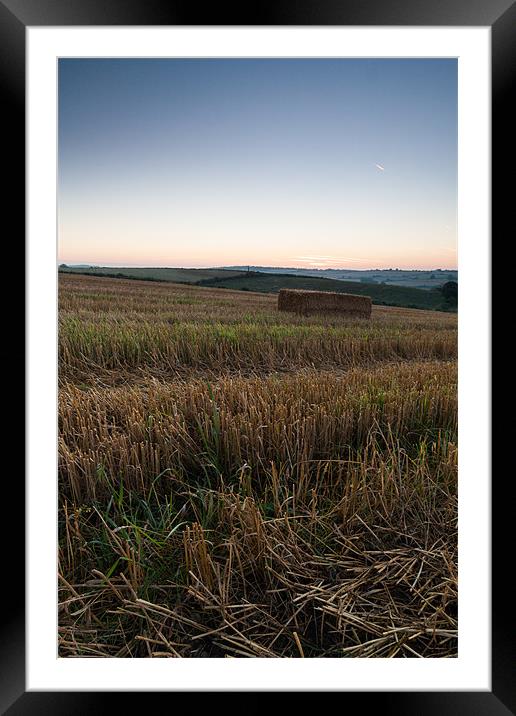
307, 302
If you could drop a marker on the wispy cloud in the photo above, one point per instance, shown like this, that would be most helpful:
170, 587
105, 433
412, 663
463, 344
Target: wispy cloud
327, 261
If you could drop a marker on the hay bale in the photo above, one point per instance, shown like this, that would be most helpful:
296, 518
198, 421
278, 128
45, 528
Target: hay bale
307, 302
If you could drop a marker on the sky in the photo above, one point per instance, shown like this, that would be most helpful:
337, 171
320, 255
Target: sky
316, 163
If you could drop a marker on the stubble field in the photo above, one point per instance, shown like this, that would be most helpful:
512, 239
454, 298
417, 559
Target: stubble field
238, 482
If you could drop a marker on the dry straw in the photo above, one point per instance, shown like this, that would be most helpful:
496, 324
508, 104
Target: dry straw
306, 302
236, 481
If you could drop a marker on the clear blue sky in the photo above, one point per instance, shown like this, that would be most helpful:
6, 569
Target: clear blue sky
318, 162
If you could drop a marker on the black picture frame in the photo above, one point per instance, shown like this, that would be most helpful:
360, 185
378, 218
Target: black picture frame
500, 15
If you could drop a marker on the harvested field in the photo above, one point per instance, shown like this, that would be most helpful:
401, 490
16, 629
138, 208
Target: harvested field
234, 481
310, 302
113, 331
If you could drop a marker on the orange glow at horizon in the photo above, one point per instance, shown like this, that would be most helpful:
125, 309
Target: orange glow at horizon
432, 260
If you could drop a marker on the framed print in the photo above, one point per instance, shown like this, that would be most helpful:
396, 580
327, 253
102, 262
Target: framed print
259, 409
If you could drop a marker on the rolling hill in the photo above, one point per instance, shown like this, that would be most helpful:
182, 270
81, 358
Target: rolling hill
175, 275
381, 294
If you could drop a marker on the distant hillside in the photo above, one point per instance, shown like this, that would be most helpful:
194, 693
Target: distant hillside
383, 295
380, 293
395, 277
175, 275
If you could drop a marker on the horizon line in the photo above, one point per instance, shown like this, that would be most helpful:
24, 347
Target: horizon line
257, 266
